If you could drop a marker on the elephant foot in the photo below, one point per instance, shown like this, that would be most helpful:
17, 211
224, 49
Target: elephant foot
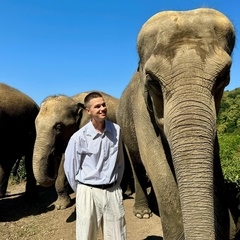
143, 213
63, 202
2, 195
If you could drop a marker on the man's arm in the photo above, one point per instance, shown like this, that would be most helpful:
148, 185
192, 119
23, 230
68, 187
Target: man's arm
72, 163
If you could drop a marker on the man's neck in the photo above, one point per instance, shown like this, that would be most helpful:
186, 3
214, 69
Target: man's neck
99, 125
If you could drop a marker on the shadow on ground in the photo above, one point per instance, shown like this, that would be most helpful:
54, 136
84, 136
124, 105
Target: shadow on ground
16, 206
153, 238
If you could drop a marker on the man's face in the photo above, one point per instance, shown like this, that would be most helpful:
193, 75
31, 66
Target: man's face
97, 108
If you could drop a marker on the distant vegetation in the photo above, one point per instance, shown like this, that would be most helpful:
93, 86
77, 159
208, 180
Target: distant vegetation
18, 173
229, 115
228, 125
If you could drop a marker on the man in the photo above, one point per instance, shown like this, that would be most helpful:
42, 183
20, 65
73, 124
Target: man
94, 166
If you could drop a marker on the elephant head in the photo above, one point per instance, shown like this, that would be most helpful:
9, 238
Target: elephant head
185, 61
59, 117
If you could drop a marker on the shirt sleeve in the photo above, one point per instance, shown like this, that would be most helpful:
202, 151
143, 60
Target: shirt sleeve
72, 163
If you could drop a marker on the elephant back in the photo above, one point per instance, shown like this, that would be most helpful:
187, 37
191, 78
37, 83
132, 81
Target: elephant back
17, 118
13, 102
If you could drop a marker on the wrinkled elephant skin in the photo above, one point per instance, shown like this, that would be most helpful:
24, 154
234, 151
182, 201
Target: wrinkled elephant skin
17, 135
168, 118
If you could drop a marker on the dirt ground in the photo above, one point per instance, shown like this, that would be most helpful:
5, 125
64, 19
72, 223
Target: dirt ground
40, 220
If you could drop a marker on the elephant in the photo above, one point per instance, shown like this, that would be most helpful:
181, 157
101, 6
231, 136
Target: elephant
168, 114
59, 117
17, 135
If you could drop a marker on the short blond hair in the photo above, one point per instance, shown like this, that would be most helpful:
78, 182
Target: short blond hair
90, 96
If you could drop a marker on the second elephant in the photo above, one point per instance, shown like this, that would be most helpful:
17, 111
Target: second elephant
17, 135
59, 117
168, 118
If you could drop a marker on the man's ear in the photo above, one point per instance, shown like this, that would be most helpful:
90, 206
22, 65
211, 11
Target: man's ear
87, 110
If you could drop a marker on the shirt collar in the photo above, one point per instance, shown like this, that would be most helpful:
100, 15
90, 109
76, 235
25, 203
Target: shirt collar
94, 133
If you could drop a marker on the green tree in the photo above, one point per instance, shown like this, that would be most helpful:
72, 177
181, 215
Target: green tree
229, 115
230, 157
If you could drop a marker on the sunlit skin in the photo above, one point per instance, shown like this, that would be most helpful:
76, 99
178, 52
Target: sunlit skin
97, 110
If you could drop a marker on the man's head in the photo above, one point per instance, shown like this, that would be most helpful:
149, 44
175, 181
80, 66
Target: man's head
95, 106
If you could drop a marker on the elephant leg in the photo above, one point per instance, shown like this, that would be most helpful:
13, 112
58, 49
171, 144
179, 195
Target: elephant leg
233, 228
162, 178
31, 186
4, 176
140, 208
62, 188
167, 196
127, 183
6, 164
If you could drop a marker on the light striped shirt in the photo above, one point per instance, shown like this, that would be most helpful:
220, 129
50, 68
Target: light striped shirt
94, 158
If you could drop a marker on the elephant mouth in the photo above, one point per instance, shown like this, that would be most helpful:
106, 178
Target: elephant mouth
54, 166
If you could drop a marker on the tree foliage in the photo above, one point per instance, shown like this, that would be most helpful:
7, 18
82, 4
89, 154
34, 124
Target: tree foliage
228, 126
229, 114
230, 157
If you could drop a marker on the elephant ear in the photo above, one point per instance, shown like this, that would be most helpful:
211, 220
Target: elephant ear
80, 110
149, 105
147, 100
81, 105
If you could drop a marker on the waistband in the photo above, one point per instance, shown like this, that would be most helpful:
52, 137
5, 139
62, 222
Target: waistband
102, 186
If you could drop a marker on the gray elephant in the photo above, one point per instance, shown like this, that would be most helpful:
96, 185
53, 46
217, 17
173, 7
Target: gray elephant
59, 117
168, 118
17, 135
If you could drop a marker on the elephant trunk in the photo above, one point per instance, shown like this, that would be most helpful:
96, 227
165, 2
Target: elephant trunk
45, 164
190, 128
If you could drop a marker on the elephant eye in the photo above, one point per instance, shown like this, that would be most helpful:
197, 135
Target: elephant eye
153, 81
222, 81
154, 84
58, 127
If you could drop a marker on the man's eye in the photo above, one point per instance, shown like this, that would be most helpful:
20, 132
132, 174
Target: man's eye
100, 105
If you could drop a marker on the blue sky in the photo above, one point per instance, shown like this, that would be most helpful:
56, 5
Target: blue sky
52, 47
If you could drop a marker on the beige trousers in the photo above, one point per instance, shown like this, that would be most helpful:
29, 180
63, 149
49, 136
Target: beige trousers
97, 207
